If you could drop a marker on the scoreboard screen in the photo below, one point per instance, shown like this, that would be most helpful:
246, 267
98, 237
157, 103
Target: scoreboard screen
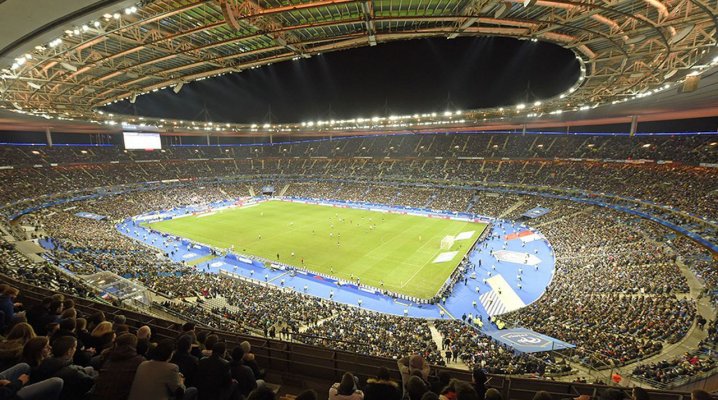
142, 141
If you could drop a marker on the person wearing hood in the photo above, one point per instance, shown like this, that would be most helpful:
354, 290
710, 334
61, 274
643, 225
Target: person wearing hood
77, 380
118, 371
382, 387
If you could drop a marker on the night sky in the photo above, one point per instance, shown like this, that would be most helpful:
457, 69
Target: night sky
396, 78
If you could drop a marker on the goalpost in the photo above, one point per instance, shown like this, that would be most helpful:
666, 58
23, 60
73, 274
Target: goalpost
447, 242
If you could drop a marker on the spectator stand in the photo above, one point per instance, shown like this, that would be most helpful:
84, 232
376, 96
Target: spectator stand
606, 364
678, 373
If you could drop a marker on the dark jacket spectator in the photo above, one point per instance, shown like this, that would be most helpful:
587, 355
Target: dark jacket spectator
241, 373
77, 380
102, 337
118, 371
66, 328
382, 387
478, 376
186, 362
46, 321
214, 378
37, 312
7, 306
416, 387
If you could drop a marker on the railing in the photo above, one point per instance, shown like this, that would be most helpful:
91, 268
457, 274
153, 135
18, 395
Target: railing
676, 382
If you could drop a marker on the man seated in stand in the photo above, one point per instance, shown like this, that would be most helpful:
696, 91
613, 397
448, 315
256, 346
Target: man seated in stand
77, 380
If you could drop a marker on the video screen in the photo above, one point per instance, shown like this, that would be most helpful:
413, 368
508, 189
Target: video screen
142, 141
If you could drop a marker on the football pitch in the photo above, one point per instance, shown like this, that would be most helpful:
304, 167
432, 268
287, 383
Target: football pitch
396, 252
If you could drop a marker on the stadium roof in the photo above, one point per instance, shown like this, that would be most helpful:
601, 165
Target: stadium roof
63, 60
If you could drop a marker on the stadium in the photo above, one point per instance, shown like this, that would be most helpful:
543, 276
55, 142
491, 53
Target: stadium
224, 199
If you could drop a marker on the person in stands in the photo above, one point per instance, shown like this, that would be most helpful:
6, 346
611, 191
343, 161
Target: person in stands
382, 387
77, 380
119, 369
346, 389
214, 376
159, 379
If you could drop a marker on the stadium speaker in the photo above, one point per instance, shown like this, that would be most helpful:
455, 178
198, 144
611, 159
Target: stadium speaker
690, 84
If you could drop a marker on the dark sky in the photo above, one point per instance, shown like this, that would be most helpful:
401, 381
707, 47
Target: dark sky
395, 78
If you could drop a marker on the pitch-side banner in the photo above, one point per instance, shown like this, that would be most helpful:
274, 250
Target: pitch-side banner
528, 341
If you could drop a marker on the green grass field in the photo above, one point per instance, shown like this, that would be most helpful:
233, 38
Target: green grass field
395, 249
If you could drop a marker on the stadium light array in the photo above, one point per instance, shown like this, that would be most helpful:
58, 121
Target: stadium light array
426, 119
